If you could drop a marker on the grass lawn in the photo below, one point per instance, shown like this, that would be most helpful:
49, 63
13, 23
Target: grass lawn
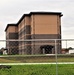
47, 69
36, 58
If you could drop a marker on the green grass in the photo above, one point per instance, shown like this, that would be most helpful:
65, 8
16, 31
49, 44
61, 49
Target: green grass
35, 58
63, 69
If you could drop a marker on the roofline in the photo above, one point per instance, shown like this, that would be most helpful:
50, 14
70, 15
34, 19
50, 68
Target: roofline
41, 13
9, 25
37, 13
22, 18
53, 13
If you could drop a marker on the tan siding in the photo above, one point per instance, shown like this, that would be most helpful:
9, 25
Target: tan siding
32, 24
12, 29
44, 24
27, 20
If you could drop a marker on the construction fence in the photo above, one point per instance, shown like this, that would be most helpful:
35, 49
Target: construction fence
36, 46
57, 52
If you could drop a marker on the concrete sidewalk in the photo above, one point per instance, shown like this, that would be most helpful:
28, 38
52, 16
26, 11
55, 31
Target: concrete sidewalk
35, 63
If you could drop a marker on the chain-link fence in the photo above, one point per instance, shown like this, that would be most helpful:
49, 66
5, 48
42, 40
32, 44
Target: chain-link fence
53, 56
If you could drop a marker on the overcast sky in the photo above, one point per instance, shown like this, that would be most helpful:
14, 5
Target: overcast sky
12, 10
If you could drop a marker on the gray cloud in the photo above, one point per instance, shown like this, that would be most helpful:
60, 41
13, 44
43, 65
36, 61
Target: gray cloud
12, 10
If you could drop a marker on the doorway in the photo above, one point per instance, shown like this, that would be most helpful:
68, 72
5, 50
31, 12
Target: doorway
46, 49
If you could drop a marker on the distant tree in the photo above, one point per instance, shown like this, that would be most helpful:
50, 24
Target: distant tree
66, 49
1, 51
70, 48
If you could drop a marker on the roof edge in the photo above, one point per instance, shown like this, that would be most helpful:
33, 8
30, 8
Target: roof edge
9, 25
53, 13
22, 18
60, 13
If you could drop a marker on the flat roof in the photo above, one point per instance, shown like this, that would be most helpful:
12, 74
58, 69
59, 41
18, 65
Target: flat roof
10, 25
41, 13
59, 13
37, 13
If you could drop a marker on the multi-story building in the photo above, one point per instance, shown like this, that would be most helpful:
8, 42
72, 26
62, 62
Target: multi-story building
35, 25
